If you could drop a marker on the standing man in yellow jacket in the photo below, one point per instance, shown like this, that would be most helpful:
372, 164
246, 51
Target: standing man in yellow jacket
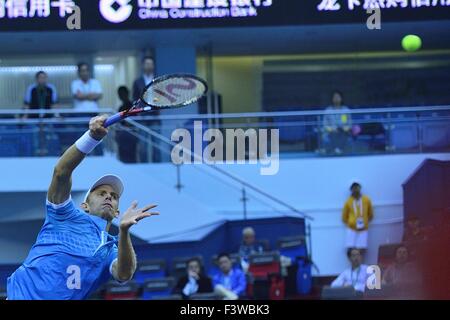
356, 215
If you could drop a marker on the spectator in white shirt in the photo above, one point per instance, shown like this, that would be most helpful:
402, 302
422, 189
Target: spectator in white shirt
356, 276
86, 90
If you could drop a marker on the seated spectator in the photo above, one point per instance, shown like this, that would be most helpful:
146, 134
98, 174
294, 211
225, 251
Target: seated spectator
195, 281
337, 127
230, 283
413, 231
40, 95
402, 272
249, 246
356, 276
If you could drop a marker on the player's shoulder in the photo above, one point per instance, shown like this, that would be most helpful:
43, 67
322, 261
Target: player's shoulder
65, 208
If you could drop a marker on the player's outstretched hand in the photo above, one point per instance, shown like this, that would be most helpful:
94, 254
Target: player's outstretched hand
96, 128
133, 215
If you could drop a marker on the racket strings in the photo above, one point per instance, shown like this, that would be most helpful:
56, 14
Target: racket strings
174, 91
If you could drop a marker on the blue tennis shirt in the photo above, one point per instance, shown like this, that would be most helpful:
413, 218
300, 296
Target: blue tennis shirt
71, 258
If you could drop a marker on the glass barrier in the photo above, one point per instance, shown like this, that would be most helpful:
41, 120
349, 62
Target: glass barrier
297, 134
317, 134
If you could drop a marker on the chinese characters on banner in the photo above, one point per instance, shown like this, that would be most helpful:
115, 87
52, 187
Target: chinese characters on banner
34, 8
201, 4
147, 9
189, 9
336, 5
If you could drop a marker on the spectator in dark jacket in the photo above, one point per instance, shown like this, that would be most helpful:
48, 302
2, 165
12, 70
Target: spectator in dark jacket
126, 142
195, 281
148, 74
40, 95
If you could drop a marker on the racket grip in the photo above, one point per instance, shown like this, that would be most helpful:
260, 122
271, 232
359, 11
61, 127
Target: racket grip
113, 119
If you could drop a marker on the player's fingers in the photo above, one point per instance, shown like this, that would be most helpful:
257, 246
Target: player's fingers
146, 215
151, 206
133, 205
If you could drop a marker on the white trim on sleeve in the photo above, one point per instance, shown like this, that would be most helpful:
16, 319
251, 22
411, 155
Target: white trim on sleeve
60, 205
111, 272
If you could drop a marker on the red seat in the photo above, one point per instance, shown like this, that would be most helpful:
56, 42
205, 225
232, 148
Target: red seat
386, 255
115, 291
264, 264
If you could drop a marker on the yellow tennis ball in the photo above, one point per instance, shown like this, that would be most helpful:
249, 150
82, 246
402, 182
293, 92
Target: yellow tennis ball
411, 43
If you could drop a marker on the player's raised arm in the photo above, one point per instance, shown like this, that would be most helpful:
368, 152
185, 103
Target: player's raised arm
125, 265
60, 187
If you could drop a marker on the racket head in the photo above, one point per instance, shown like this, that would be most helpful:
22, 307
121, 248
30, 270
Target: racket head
174, 91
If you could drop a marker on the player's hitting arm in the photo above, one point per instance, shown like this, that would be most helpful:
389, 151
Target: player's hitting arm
124, 267
61, 184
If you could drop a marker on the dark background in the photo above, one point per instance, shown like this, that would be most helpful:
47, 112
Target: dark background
282, 13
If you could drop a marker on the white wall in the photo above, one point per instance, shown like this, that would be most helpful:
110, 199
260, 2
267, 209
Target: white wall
315, 186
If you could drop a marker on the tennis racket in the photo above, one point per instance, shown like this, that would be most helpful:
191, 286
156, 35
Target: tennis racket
166, 92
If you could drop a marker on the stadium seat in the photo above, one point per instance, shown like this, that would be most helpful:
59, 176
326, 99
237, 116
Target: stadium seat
386, 254
273, 288
264, 264
292, 247
343, 293
127, 291
150, 269
290, 130
158, 288
171, 297
404, 137
204, 296
436, 135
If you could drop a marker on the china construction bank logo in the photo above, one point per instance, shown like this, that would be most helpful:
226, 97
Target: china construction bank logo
116, 11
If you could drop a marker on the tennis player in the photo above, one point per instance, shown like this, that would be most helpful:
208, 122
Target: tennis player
74, 253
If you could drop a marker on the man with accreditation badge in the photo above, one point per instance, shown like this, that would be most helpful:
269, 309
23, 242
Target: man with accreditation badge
356, 215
